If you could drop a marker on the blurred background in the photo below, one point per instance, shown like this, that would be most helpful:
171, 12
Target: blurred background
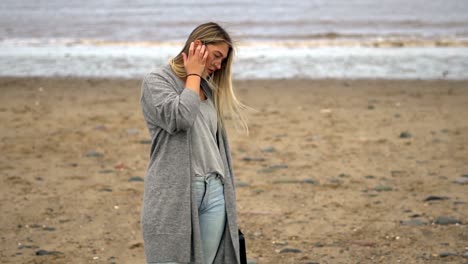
392, 39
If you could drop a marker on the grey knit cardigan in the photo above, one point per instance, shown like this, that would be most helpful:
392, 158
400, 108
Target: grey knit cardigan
169, 217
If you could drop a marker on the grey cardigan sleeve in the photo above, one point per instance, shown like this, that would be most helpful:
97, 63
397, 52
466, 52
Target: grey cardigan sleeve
165, 108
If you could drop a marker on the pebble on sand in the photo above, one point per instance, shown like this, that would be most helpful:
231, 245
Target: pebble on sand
461, 180
42, 252
446, 220
405, 134
383, 188
27, 246
268, 149
247, 158
136, 179
94, 154
447, 254
135, 244
293, 181
107, 171
240, 184
435, 198
133, 131
290, 250
273, 168
413, 222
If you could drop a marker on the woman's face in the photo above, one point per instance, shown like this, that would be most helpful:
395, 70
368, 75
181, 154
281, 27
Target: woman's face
217, 53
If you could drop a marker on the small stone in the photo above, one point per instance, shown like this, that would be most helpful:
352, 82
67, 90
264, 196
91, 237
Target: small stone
325, 111
39, 179
42, 252
319, 244
415, 215
413, 222
292, 181
465, 255
405, 134
120, 167
27, 246
135, 244
280, 243
310, 181
335, 181
145, 141
106, 171
136, 179
133, 131
383, 188
290, 250
105, 190
94, 154
241, 184
461, 181
268, 149
435, 198
446, 220
273, 168
369, 177
397, 173
447, 254
48, 229
253, 159
100, 127
259, 191
370, 107
344, 175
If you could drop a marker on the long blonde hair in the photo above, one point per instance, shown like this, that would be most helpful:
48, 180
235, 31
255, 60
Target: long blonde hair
226, 103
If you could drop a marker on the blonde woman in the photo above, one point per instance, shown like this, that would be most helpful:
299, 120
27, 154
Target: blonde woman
189, 207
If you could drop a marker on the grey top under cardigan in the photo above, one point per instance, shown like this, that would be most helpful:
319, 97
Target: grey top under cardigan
169, 217
205, 152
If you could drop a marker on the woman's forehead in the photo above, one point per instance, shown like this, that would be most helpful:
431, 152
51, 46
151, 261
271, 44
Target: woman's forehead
221, 47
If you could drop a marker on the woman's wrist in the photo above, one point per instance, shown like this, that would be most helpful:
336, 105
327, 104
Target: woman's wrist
194, 74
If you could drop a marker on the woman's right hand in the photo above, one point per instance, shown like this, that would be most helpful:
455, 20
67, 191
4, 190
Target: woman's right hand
195, 61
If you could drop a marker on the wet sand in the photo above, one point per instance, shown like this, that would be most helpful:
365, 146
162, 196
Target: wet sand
333, 171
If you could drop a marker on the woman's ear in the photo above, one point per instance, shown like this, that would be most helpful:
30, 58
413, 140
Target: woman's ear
197, 42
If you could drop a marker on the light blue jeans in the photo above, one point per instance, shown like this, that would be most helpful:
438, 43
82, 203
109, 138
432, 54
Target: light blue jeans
209, 192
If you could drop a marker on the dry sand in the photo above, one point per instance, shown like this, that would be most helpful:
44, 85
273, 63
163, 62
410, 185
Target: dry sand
324, 172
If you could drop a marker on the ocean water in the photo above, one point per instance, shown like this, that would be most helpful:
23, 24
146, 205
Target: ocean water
392, 39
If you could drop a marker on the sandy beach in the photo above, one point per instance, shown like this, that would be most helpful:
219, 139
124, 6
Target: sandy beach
333, 171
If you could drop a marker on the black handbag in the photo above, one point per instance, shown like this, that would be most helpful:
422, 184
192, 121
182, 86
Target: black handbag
243, 252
